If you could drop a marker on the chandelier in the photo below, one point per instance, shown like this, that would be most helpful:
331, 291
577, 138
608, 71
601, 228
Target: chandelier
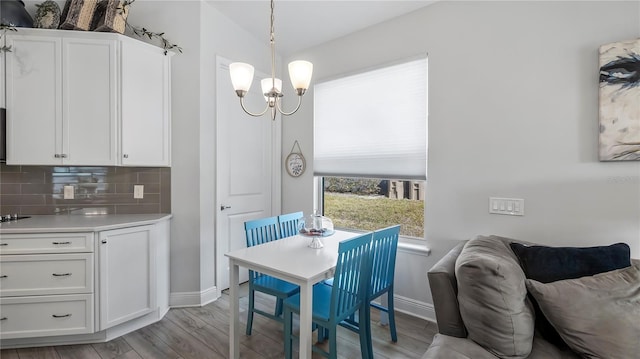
299, 72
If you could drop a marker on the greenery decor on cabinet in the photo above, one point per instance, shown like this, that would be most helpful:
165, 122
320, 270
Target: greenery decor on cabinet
143, 32
4, 28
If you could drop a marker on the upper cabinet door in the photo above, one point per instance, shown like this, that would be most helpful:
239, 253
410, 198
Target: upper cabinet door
89, 71
145, 100
34, 100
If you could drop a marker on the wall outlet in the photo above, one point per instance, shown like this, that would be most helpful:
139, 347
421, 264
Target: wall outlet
138, 191
508, 206
68, 192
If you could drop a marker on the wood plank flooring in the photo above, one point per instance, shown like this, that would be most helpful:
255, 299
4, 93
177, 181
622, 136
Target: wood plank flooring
202, 333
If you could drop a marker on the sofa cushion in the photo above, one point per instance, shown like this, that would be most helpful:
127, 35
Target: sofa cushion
597, 316
493, 298
448, 347
547, 264
444, 290
445, 346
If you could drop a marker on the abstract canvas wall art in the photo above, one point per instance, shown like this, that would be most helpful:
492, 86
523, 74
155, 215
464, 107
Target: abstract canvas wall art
620, 101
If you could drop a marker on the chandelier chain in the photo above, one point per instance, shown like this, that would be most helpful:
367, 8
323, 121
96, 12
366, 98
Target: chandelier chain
273, 48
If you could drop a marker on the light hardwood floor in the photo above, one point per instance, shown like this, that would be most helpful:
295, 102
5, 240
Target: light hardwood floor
202, 333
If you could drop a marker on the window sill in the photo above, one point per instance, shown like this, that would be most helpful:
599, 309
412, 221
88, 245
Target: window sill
414, 248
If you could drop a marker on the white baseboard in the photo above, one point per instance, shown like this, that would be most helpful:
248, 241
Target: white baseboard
415, 308
193, 299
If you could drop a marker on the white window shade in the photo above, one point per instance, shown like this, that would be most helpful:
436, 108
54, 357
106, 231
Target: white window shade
373, 124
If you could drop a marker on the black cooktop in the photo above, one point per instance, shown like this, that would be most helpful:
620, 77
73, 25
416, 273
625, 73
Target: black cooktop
11, 218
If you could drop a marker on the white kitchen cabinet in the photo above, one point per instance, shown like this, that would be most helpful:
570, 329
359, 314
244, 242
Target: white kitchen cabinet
2, 77
82, 279
85, 98
127, 274
46, 285
146, 129
61, 100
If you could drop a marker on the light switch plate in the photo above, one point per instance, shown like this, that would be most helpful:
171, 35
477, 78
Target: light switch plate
68, 192
138, 191
508, 206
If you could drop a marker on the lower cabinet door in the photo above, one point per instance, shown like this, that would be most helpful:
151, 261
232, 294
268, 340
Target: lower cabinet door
126, 274
41, 316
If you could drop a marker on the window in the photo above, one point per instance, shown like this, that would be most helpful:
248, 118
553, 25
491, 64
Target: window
370, 148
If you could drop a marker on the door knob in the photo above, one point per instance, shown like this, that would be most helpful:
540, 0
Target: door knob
223, 207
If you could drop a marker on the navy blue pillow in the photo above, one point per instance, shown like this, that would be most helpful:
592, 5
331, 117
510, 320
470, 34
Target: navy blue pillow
549, 264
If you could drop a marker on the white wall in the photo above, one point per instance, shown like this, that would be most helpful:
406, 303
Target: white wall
203, 33
513, 101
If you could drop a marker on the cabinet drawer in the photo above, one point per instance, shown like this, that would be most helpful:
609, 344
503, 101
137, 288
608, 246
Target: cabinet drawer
25, 317
46, 243
43, 274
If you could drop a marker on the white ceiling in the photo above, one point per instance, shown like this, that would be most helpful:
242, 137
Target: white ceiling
300, 24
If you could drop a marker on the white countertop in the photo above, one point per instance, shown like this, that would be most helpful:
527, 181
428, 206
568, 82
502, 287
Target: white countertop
79, 223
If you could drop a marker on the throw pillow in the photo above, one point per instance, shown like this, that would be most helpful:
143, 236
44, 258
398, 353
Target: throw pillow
493, 298
597, 316
548, 264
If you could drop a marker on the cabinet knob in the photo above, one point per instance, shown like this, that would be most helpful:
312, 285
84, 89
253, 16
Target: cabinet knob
57, 155
4, 318
60, 243
125, 155
223, 207
64, 155
104, 241
3, 276
4, 244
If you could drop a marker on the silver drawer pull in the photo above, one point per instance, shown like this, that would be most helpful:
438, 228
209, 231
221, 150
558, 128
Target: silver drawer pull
4, 318
58, 243
61, 274
3, 276
61, 316
4, 244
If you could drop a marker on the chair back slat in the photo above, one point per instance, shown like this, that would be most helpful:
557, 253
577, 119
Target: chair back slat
351, 281
289, 224
384, 247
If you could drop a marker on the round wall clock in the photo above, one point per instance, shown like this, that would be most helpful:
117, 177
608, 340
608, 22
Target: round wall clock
295, 164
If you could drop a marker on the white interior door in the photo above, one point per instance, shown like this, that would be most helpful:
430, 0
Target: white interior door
246, 150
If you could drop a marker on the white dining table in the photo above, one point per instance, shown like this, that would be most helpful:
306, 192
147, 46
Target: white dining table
289, 259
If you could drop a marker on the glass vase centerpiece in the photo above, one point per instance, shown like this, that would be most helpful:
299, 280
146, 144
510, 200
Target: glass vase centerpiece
316, 226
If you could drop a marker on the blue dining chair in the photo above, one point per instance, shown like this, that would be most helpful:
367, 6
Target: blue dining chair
384, 246
261, 231
289, 224
332, 304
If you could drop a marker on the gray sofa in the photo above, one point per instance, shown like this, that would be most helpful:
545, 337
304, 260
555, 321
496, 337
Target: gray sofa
453, 341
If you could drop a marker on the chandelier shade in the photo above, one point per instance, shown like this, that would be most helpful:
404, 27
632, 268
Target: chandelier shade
300, 72
241, 76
